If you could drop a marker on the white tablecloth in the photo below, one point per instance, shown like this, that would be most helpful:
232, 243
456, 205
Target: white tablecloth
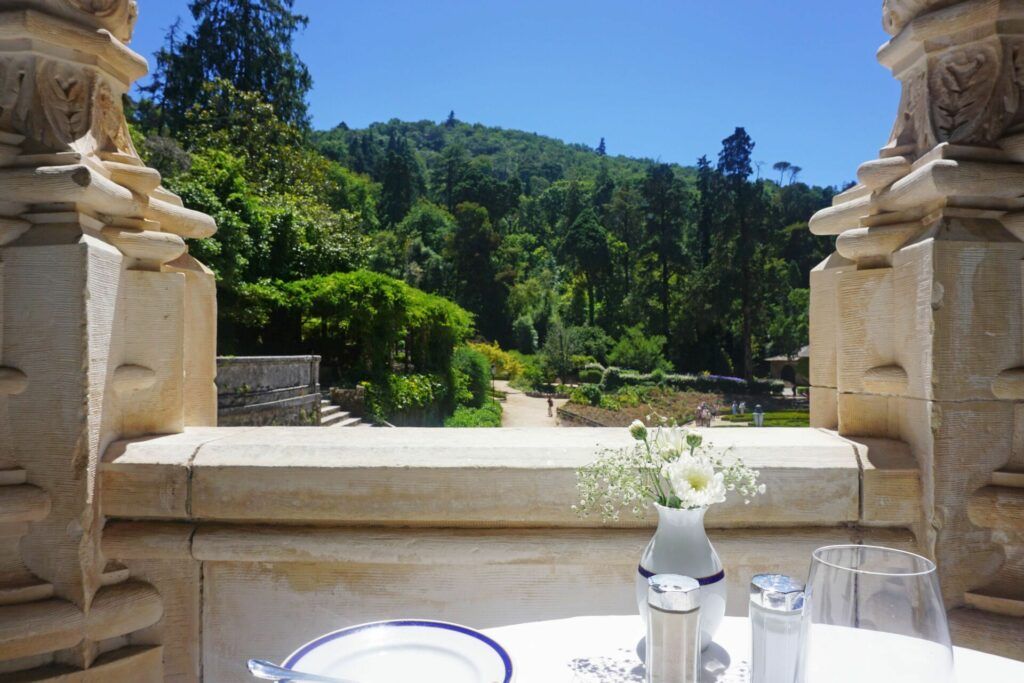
603, 650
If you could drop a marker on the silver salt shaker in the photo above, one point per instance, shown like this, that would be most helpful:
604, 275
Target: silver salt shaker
673, 629
776, 606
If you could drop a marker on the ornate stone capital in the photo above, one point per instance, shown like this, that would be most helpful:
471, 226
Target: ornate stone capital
962, 70
958, 139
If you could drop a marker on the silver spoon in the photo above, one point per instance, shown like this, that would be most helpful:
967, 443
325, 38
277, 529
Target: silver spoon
271, 672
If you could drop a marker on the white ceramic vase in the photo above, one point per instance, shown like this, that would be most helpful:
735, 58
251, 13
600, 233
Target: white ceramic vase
681, 546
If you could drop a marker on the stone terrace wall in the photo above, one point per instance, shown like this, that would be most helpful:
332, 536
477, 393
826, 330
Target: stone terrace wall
268, 390
260, 539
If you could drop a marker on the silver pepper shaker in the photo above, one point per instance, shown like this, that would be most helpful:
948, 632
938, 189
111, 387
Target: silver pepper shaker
673, 629
776, 606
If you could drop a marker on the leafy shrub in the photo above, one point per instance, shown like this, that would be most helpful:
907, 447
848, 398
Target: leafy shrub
536, 375
625, 397
357, 322
505, 364
591, 341
640, 352
525, 334
582, 362
398, 393
767, 386
487, 416
587, 395
471, 377
614, 378
589, 376
559, 348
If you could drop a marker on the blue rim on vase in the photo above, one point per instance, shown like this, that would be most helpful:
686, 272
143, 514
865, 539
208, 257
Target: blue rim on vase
703, 580
296, 656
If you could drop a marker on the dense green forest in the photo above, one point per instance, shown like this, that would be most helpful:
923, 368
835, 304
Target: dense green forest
547, 245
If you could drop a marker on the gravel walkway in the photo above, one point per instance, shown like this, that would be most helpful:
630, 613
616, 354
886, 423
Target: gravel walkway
522, 411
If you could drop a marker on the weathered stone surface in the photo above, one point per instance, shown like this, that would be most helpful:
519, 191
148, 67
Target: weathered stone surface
469, 584
926, 335
401, 477
95, 343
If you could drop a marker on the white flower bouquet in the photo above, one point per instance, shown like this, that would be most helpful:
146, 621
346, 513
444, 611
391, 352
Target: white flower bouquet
670, 466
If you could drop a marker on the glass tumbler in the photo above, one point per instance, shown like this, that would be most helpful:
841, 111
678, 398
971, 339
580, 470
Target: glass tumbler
873, 614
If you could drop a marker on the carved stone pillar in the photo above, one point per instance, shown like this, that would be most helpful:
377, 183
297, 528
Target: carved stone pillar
917, 327
107, 331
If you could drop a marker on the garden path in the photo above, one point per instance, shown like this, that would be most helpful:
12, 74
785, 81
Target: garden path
521, 410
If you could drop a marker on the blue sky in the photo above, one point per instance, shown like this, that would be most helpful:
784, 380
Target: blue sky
666, 79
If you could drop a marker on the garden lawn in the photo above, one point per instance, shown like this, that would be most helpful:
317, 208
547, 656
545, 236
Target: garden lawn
789, 418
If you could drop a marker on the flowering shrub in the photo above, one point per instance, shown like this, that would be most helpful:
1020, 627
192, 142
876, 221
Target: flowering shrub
669, 466
506, 366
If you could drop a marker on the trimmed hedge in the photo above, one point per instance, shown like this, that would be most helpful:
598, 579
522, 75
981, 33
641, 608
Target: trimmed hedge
614, 378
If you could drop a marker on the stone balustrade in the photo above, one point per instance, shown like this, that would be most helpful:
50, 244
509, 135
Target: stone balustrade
259, 539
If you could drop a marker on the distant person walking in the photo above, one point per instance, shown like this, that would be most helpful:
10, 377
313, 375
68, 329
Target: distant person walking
735, 408
758, 416
551, 407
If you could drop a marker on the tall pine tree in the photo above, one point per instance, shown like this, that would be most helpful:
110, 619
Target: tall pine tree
248, 43
663, 200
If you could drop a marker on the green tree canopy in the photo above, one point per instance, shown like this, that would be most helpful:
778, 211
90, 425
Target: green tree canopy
248, 43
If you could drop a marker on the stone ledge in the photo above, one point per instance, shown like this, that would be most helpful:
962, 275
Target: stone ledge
449, 478
215, 542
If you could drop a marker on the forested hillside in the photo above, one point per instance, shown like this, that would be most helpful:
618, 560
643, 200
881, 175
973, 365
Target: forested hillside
543, 242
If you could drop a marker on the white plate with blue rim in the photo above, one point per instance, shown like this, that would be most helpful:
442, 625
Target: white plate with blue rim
404, 651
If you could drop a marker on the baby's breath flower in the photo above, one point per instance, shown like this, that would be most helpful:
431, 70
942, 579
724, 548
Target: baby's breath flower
671, 467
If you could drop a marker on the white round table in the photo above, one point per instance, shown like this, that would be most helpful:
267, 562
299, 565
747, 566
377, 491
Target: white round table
603, 650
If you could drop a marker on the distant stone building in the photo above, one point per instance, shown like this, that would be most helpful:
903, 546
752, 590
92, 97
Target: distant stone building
792, 369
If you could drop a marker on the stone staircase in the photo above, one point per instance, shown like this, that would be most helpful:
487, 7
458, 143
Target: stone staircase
993, 619
333, 416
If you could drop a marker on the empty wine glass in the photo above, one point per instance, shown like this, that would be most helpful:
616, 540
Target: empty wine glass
874, 614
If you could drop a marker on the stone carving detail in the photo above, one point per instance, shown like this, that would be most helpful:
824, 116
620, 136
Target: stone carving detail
65, 95
967, 96
110, 130
961, 85
17, 87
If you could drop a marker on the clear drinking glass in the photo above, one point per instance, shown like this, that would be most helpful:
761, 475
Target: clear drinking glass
873, 614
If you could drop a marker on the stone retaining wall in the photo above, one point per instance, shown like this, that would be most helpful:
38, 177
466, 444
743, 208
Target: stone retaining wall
268, 391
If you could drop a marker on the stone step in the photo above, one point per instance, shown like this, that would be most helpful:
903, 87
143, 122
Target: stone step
349, 422
334, 418
326, 410
997, 507
996, 634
